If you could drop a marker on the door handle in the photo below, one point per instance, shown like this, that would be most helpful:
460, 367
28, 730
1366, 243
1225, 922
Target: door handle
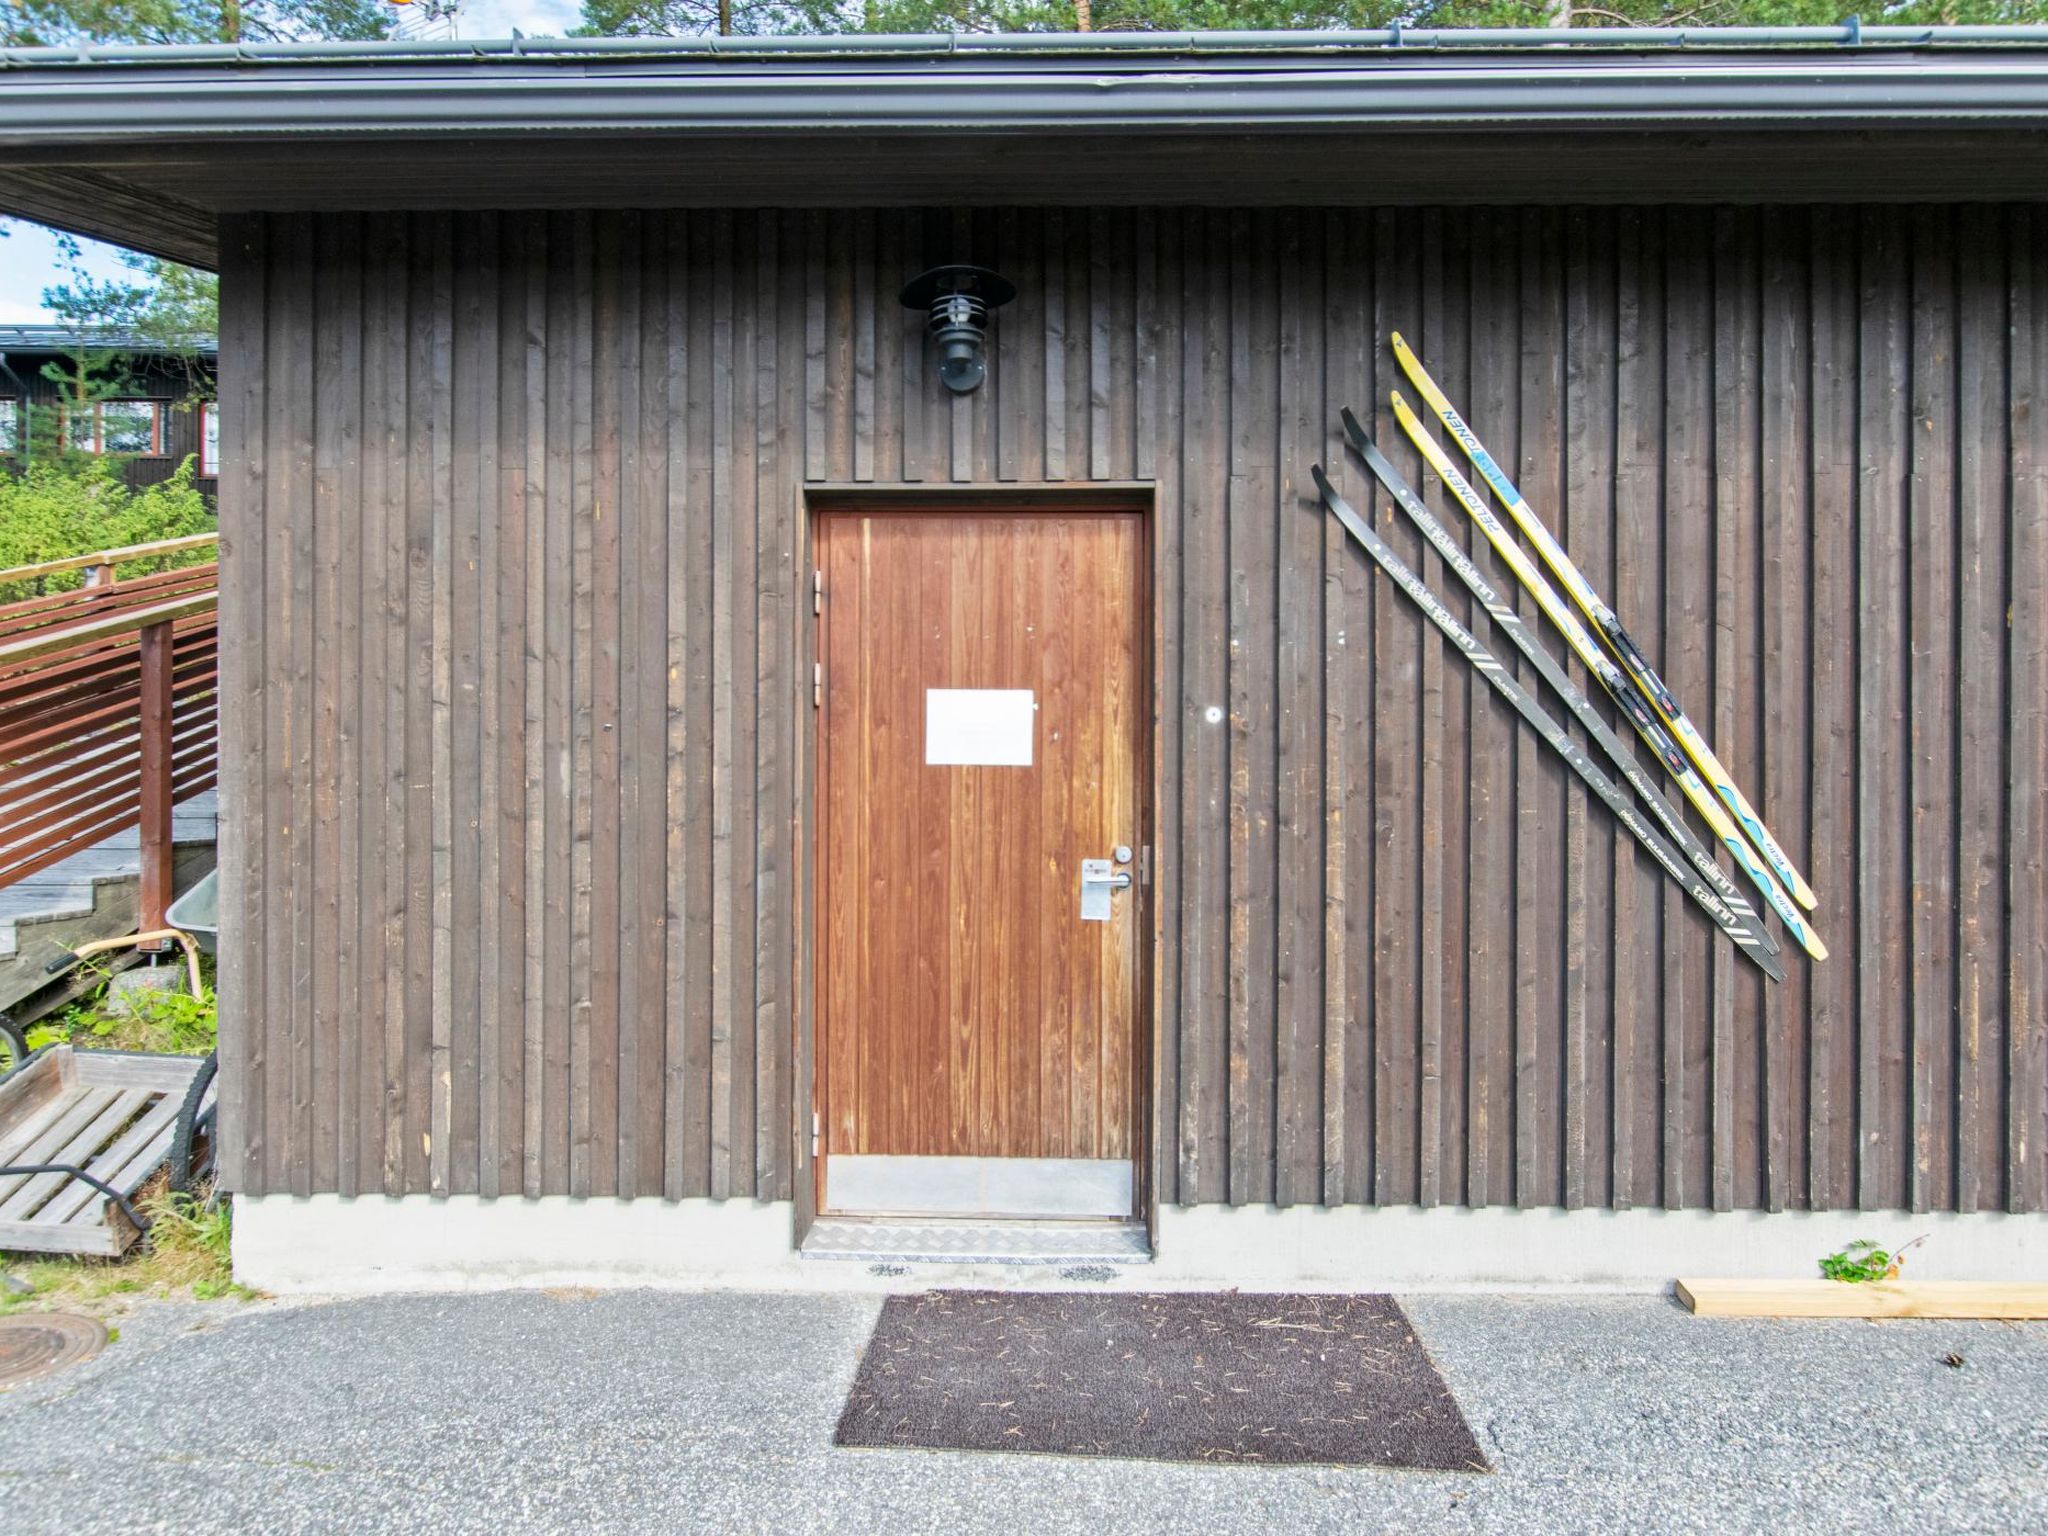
1099, 880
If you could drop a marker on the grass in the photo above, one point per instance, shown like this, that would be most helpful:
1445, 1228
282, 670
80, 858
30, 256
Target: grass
184, 1254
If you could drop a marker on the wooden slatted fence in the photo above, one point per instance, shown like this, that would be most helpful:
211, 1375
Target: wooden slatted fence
108, 710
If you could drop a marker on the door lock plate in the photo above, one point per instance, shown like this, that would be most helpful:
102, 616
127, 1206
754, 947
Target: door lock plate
1099, 880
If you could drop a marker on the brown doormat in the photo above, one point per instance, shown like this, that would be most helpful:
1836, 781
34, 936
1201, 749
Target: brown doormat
1170, 1377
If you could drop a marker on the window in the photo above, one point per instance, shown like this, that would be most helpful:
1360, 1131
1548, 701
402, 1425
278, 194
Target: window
209, 438
10, 427
131, 426
118, 426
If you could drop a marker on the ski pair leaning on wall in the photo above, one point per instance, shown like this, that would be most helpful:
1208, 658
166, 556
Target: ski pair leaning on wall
1637, 691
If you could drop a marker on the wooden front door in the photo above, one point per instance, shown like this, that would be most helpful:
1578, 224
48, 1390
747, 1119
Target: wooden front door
982, 731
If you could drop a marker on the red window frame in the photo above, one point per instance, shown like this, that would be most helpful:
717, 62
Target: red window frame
155, 450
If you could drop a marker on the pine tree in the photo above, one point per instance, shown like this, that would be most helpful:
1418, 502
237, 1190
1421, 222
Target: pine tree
645, 18
62, 23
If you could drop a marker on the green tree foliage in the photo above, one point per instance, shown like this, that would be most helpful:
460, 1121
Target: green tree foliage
1120, 15
1726, 13
168, 306
648, 18
75, 504
33, 23
689, 18
681, 18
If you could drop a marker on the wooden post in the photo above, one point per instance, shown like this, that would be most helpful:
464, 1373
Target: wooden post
155, 642
98, 575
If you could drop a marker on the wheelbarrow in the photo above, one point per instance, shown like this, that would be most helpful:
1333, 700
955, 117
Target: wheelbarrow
82, 1131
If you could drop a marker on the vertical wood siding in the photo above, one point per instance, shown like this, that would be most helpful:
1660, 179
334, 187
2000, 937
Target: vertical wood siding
516, 634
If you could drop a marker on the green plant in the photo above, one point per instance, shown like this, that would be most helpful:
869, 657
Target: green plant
74, 505
1863, 1261
190, 1025
175, 1023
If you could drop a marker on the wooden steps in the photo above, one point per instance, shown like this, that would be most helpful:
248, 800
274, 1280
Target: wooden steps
43, 919
2011, 1300
72, 888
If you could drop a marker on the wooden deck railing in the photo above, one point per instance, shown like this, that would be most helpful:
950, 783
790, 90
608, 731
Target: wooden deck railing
108, 711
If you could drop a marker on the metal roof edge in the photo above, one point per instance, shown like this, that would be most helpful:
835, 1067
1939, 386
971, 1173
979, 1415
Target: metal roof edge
884, 94
32, 337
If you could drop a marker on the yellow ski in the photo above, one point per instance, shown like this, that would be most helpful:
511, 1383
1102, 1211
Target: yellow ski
1605, 620
1610, 677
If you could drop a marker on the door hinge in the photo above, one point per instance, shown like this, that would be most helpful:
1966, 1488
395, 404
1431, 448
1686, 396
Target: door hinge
817, 591
817, 684
814, 1133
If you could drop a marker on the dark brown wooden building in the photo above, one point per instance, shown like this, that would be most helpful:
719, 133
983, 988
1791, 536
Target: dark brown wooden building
668, 723
152, 409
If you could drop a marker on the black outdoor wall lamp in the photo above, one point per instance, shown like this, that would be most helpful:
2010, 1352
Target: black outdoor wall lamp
958, 300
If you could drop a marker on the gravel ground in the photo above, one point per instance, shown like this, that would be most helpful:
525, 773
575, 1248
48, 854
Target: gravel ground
644, 1411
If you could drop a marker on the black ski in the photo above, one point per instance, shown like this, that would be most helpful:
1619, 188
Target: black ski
1559, 738
1553, 673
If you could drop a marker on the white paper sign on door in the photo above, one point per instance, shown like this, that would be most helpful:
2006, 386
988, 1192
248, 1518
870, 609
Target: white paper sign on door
979, 726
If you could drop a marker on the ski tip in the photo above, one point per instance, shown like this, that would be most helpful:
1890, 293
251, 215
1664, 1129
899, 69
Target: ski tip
1395, 340
1812, 943
1350, 420
1331, 500
1803, 893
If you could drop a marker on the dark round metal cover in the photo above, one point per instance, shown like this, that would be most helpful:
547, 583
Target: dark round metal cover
992, 288
34, 1344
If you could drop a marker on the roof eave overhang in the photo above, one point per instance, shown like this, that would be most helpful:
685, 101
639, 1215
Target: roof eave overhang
151, 147
214, 103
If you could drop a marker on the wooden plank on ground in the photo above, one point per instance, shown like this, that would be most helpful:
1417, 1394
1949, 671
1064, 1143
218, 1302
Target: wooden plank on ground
28, 1237
2007, 1300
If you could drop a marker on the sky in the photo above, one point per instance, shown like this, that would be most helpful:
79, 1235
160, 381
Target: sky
29, 262
536, 18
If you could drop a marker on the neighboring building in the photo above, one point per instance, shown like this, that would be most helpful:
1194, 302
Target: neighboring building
665, 722
164, 409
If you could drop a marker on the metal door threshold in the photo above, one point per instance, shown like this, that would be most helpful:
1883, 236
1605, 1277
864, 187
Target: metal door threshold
935, 1241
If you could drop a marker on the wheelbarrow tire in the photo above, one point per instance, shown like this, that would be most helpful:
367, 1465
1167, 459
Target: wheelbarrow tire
13, 1043
191, 1126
